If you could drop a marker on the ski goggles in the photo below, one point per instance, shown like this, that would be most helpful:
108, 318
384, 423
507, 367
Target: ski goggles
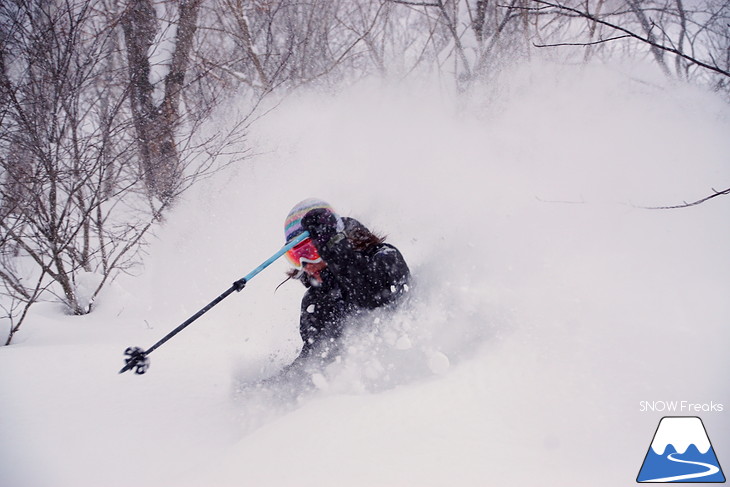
304, 252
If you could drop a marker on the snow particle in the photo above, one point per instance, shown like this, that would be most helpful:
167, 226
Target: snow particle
438, 363
403, 343
320, 381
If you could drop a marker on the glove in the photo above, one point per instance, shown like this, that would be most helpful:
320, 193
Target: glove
321, 225
345, 265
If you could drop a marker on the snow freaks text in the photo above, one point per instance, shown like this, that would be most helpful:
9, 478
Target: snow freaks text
681, 407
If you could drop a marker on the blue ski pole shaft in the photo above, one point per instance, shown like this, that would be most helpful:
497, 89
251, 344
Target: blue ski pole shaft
299, 238
237, 286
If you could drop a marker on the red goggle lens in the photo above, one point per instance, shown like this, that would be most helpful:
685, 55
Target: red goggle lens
304, 252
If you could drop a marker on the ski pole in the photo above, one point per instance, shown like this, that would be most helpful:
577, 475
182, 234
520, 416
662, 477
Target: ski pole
137, 357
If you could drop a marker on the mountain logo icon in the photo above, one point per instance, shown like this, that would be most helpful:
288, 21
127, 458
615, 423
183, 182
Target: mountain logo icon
681, 452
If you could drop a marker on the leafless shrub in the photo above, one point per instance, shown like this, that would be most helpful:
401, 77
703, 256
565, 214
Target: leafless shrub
76, 199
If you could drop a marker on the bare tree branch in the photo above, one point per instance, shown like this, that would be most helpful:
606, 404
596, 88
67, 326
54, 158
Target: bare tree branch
646, 40
715, 194
585, 44
417, 4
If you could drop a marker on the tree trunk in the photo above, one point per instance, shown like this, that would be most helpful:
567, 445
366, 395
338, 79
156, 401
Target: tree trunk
156, 125
648, 28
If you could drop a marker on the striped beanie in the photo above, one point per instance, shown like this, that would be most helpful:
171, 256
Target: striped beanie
293, 223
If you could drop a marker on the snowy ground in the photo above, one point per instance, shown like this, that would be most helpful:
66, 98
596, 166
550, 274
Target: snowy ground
547, 306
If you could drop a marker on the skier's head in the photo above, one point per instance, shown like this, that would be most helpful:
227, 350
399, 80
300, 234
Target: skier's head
304, 256
293, 223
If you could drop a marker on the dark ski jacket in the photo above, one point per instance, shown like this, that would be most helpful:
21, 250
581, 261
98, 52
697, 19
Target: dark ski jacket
354, 281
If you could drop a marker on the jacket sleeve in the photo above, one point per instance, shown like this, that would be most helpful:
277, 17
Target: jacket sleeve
350, 268
320, 318
390, 275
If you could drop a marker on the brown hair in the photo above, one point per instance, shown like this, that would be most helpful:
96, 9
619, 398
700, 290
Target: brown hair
362, 239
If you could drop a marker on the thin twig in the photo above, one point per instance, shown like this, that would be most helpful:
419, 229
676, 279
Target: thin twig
715, 194
416, 4
586, 44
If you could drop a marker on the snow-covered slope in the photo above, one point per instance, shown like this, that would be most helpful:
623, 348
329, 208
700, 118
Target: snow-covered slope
547, 304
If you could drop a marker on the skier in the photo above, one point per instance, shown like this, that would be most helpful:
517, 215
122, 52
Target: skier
347, 271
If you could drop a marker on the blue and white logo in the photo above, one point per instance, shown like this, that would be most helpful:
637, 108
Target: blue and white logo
681, 452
